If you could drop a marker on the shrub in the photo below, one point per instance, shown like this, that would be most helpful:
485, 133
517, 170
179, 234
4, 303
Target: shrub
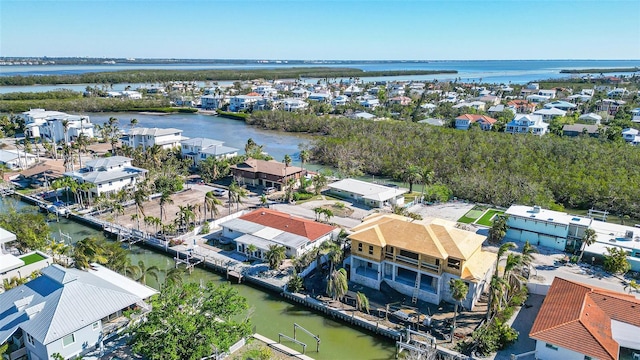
205, 229
302, 196
616, 261
489, 338
295, 284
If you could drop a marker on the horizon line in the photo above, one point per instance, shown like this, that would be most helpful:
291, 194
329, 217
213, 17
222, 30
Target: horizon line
300, 60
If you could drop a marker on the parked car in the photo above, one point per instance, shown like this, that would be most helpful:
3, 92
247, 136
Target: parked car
218, 192
269, 190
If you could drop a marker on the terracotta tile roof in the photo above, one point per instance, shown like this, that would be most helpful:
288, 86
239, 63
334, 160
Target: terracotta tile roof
271, 167
282, 221
473, 118
253, 94
578, 317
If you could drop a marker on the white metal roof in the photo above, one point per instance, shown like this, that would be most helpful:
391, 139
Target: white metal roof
9, 262
6, 236
547, 215
367, 190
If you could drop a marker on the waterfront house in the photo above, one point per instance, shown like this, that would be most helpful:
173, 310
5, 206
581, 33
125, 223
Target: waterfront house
108, 175
549, 113
265, 227
352, 90
16, 160
199, 149
419, 258
243, 102
618, 92
574, 130
292, 104
527, 124
590, 118
367, 193
463, 122
35, 118
265, 173
67, 311
212, 101
50, 125
542, 227
168, 138
579, 321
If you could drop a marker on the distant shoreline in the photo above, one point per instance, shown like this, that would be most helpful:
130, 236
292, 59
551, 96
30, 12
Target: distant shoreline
600, 71
157, 76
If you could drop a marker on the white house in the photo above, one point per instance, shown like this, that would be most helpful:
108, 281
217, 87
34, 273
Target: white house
562, 105
340, 100
419, 258
108, 175
370, 194
67, 311
49, 125
631, 136
549, 113
590, 118
536, 99
243, 102
35, 118
291, 104
16, 160
14, 266
527, 124
623, 237
579, 321
148, 137
478, 105
198, 149
212, 101
319, 96
264, 227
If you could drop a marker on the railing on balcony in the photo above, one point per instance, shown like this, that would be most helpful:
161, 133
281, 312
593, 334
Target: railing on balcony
428, 266
407, 260
388, 255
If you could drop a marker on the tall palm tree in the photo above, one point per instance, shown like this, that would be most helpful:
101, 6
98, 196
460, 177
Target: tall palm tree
427, 178
264, 201
251, 249
496, 275
144, 272
412, 175
305, 155
211, 203
362, 302
65, 129
173, 276
527, 255
287, 160
139, 197
337, 284
459, 291
236, 194
275, 255
165, 199
588, 239
319, 181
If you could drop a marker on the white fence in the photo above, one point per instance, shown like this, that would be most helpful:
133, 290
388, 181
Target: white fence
538, 289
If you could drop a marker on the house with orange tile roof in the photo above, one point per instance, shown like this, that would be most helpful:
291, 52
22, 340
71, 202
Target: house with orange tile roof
265, 173
579, 321
463, 122
418, 258
521, 106
264, 227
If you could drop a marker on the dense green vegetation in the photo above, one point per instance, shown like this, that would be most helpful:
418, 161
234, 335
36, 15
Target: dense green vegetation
155, 76
46, 95
486, 167
599, 70
80, 104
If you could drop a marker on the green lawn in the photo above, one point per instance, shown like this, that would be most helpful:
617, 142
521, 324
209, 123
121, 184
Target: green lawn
485, 220
30, 259
471, 216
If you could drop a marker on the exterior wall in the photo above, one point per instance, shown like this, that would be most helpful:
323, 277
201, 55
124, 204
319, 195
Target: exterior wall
377, 251
364, 280
230, 234
115, 185
538, 226
545, 353
85, 339
26, 270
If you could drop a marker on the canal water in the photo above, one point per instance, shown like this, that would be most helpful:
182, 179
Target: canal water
271, 314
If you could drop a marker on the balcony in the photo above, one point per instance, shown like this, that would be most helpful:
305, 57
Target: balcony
407, 260
431, 267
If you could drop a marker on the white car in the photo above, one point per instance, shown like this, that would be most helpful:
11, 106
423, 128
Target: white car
218, 192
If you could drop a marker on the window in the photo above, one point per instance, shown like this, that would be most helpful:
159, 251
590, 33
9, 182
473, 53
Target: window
30, 339
360, 247
588, 357
550, 346
453, 263
68, 340
370, 250
95, 325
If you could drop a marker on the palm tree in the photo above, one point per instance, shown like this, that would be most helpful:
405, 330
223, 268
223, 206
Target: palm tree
236, 194
144, 271
264, 202
173, 276
527, 255
362, 302
498, 229
139, 197
211, 202
427, 179
287, 160
165, 199
133, 122
65, 129
87, 251
588, 239
328, 214
57, 248
337, 284
513, 262
459, 290
412, 175
305, 155
319, 181
496, 276
275, 255
289, 190
334, 253
185, 215
318, 211
251, 249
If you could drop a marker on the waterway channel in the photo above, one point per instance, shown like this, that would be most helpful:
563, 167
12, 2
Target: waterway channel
271, 313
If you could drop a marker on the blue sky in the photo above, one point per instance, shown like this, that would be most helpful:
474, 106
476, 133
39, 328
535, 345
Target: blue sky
323, 29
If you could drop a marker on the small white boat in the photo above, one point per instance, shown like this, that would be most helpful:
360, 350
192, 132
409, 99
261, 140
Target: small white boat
58, 210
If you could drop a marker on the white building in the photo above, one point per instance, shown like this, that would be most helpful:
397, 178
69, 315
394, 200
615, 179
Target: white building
67, 311
108, 175
264, 227
198, 149
242, 102
370, 194
212, 101
631, 135
14, 266
17, 160
527, 124
590, 118
549, 113
291, 104
50, 125
148, 137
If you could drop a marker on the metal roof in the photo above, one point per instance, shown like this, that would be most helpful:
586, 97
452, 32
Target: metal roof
62, 301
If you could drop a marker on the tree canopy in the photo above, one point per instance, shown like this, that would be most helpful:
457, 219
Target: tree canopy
190, 322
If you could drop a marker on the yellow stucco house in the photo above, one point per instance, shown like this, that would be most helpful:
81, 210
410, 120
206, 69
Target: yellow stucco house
418, 258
